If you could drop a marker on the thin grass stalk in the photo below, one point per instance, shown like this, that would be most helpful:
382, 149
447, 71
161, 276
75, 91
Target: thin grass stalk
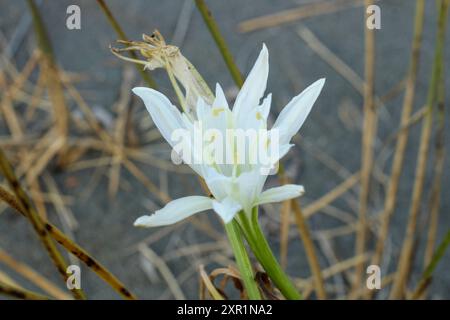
20, 293
435, 194
428, 273
405, 259
434, 202
34, 277
402, 138
50, 69
205, 281
305, 235
313, 261
122, 36
73, 248
36, 222
220, 42
438, 168
368, 139
307, 10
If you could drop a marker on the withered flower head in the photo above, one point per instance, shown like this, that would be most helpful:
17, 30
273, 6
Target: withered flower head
157, 54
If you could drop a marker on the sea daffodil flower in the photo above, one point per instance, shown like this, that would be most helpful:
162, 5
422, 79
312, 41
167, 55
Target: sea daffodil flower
236, 186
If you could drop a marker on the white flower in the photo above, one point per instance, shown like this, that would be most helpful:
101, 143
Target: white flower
236, 186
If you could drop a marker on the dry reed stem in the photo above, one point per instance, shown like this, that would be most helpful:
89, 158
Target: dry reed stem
165, 271
385, 281
339, 267
196, 248
404, 264
52, 77
56, 95
36, 97
205, 281
292, 15
330, 196
72, 247
12, 121
402, 137
121, 108
22, 77
427, 274
285, 215
435, 193
8, 97
220, 42
5, 278
69, 221
35, 220
34, 277
337, 63
310, 251
38, 199
368, 139
19, 293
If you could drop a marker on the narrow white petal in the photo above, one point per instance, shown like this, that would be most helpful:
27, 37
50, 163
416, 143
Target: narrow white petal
175, 211
165, 115
226, 209
284, 149
293, 116
220, 101
278, 194
202, 109
254, 86
250, 185
265, 106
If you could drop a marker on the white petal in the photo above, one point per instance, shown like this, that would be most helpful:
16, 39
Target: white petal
278, 194
226, 209
220, 101
175, 211
254, 86
284, 149
293, 116
165, 115
264, 108
202, 109
250, 185
219, 184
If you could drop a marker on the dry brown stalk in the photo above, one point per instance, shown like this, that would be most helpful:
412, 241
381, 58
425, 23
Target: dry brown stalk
330, 196
19, 293
368, 139
34, 277
12, 121
303, 229
291, 15
165, 271
405, 259
402, 137
72, 247
36, 221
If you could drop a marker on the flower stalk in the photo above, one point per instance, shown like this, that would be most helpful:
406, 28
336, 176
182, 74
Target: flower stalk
260, 247
242, 260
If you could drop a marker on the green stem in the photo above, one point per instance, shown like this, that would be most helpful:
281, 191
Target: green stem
220, 41
428, 273
265, 256
242, 260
